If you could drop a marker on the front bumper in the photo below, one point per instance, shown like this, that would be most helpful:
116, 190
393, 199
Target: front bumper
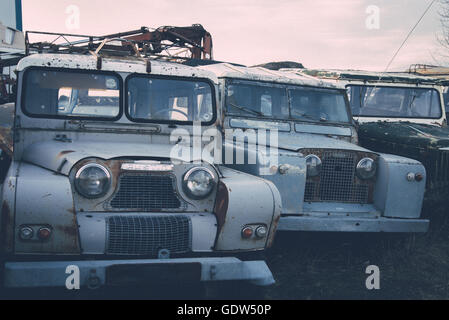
95, 273
352, 224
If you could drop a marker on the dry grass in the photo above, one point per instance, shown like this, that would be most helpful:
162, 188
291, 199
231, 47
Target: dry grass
332, 266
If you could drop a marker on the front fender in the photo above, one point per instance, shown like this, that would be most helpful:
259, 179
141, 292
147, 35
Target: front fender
245, 200
44, 198
394, 194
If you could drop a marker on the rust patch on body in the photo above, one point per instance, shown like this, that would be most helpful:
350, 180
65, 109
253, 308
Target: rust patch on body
273, 231
221, 205
68, 231
63, 153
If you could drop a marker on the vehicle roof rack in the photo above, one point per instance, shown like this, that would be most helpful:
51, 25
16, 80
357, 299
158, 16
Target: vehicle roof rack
199, 62
437, 73
166, 42
372, 76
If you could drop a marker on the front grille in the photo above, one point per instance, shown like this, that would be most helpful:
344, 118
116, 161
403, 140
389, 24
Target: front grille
145, 192
137, 235
441, 171
337, 181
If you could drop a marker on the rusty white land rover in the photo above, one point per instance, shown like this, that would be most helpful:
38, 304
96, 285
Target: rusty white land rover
327, 182
94, 188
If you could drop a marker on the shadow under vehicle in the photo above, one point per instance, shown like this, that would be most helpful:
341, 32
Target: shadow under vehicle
403, 114
94, 188
327, 182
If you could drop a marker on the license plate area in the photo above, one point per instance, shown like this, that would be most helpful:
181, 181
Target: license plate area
148, 274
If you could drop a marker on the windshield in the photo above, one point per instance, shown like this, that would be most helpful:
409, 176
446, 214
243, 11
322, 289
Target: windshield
319, 105
286, 102
49, 93
394, 102
169, 100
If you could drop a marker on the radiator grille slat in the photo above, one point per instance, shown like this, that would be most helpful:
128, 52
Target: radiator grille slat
137, 235
337, 182
146, 192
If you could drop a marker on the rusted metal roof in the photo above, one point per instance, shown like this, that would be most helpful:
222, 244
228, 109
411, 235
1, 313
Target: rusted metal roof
117, 64
368, 76
226, 70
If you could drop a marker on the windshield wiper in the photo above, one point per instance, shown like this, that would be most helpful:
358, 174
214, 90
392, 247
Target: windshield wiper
307, 116
246, 109
411, 102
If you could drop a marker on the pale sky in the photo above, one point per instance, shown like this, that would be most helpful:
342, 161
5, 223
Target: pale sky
317, 33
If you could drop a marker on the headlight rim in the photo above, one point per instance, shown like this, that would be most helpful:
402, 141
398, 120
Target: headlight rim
106, 188
186, 176
374, 171
318, 166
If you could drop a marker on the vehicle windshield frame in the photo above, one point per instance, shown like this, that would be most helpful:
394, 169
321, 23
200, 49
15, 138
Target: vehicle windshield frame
288, 87
25, 73
441, 108
178, 78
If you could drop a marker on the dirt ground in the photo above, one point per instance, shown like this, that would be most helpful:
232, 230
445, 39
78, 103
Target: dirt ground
332, 266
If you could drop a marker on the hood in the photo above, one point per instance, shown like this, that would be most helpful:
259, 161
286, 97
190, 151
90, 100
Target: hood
61, 157
420, 135
298, 141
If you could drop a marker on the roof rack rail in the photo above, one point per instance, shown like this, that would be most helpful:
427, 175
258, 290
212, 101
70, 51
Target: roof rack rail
167, 43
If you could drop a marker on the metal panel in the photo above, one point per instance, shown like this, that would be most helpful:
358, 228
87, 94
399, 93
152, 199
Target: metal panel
146, 192
261, 124
322, 129
43, 198
52, 273
241, 210
93, 233
351, 224
137, 235
394, 194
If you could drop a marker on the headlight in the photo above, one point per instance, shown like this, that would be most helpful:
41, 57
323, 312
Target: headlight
92, 180
198, 183
366, 169
313, 163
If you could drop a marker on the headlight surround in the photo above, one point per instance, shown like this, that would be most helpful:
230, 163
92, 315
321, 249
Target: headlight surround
92, 180
366, 168
199, 182
313, 163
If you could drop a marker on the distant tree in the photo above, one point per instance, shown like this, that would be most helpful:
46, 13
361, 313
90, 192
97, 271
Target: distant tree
443, 36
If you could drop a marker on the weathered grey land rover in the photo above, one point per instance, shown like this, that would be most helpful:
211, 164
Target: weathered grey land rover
94, 187
327, 182
402, 114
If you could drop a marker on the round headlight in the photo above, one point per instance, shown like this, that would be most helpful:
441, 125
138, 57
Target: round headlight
366, 169
199, 183
313, 163
92, 180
